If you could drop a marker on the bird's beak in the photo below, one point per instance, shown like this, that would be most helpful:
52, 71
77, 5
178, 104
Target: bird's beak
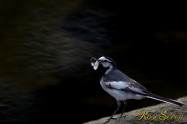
93, 60
92, 63
96, 64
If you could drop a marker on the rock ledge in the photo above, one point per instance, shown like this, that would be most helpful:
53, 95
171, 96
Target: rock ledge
161, 114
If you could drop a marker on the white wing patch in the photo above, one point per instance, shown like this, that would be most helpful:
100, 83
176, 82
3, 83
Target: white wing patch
123, 85
117, 84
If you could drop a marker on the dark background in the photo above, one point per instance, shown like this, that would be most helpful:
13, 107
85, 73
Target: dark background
45, 47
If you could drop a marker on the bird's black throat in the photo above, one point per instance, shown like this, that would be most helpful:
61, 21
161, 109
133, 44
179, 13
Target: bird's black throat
101, 70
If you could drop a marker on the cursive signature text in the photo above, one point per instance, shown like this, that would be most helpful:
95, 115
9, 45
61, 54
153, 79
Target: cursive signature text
164, 115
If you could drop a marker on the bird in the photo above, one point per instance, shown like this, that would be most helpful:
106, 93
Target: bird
122, 87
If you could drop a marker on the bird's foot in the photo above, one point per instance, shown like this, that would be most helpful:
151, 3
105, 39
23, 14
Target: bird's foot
123, 116
107, 121
114, 118
111, 118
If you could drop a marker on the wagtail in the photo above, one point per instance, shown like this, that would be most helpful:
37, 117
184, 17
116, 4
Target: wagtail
122, 87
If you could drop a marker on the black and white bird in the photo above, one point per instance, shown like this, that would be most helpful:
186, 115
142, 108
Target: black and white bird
122, 87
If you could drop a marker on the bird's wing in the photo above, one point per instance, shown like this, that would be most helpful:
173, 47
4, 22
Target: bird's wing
119, 80
117, 84
132, 86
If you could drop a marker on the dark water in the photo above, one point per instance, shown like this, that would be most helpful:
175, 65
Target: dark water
45, 47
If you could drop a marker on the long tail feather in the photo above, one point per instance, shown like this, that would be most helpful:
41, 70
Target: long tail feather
163, 99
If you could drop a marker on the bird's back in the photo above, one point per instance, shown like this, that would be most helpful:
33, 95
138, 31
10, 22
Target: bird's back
117, 75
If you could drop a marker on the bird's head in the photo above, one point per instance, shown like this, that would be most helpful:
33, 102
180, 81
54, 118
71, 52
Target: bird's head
107, 63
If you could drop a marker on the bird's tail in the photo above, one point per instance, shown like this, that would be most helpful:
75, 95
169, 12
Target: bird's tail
163, 99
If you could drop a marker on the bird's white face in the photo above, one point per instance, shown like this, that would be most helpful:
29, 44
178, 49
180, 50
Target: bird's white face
103, 61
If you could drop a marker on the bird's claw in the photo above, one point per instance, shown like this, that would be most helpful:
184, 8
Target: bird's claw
123, 116
112, 118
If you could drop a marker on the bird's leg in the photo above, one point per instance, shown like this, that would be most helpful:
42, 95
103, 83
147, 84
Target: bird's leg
111, 117
124, 106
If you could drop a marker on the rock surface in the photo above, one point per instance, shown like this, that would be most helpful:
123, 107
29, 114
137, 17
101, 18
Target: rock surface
163, 113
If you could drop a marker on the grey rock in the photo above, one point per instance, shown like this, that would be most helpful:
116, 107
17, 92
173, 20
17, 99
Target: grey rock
160, 111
